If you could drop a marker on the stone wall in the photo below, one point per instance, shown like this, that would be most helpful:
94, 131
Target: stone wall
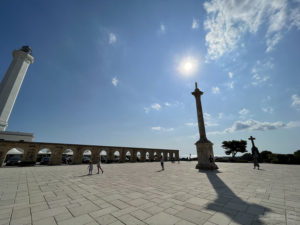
31, 150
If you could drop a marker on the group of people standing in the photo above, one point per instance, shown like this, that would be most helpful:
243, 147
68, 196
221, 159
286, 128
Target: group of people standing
91, 166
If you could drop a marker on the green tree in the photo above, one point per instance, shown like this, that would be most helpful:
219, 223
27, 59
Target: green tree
297, 153
246, 156
234, 146
266, 156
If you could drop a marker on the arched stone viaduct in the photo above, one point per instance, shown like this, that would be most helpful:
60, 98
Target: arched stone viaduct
31, 150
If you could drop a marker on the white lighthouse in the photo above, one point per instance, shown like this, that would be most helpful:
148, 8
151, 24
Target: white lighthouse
9, 89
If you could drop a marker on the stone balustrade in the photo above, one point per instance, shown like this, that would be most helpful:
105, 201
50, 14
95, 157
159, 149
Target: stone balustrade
31, 150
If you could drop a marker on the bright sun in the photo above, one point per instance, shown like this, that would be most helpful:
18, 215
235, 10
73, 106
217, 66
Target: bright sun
188, 66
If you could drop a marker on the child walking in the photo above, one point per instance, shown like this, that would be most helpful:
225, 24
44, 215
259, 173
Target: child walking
90, 167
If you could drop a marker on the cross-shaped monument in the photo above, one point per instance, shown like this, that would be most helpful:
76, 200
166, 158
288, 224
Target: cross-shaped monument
252, 140
204, 146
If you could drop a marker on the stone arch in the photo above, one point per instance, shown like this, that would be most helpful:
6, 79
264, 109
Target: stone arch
44, 156
67, 156
116, 156
103, 155
155, 156
87, 154
147, 156
128, 156
14, 156
168, 156
138, 156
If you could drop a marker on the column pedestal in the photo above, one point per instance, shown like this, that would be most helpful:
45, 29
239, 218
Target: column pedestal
205, 156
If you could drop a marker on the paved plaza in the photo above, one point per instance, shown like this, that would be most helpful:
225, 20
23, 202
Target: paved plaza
139, 193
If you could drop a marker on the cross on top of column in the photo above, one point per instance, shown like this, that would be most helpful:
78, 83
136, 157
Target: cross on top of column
252, 140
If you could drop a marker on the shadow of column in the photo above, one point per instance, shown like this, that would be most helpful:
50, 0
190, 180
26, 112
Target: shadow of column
231, 205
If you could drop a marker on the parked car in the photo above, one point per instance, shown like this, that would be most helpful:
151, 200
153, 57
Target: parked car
45, 160
67, 159
13, 161
86, 159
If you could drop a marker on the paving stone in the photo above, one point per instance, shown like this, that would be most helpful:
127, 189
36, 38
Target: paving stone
79, 220
47, 221
136, 192
128, 219
140, 214
106, 219
162, 219
21, 221
220, 218
193, 216
184, 222
105, 211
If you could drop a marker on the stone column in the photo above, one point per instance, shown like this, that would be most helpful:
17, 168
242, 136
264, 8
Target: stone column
30, 154
77, 155
3, 151
171, 156
165, 155
158, 156
110, 155
204, 146
151, 155
176, 155
94, 154
123, 155
56, 155
133, 155
12, 81
143, 155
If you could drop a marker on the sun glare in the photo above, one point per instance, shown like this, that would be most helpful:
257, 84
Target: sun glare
188, 66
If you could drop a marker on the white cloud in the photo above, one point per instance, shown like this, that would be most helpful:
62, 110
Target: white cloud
162, 129
115, 81
167, 104
267, 109
191, 124
209, 120
195, 24
259, 72
215, 90
220, 115
253, 125
230, 84
162, 28
295, 18
257, 79
112, 38
243, 112
156, 128
156, 106
147, 110
296, 101
230, 74
228, 21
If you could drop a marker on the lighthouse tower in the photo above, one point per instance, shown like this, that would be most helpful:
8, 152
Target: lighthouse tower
9, 89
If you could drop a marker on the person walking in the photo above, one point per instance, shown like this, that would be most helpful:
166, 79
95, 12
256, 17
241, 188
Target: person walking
98, 165
90, 167
255, 155
162, 162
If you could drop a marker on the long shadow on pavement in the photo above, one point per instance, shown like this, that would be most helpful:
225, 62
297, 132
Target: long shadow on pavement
229, 204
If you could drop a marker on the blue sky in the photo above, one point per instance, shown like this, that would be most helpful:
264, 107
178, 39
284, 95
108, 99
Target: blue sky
121, 72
